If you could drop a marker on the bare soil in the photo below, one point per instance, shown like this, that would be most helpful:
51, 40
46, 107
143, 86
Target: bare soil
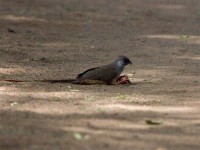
57, 39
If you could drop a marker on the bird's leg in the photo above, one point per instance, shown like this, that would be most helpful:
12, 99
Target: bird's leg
123, 80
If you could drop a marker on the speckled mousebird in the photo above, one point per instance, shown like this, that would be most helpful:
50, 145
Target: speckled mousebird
107, 74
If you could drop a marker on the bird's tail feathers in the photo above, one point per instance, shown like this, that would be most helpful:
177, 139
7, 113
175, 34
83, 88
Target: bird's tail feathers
58, 81
51, 81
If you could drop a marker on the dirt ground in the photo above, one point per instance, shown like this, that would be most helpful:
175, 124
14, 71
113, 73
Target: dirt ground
57, 39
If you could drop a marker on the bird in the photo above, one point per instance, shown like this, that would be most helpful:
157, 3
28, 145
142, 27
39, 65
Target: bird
106, 74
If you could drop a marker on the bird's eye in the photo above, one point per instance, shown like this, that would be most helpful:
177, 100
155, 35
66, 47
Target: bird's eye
126, 60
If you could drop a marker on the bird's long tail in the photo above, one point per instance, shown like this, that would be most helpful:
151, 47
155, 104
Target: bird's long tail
51, 81
59, 81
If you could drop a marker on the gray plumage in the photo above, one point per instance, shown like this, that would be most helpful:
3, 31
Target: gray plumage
107, 74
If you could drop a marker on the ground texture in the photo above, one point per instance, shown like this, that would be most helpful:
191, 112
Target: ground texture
57, 39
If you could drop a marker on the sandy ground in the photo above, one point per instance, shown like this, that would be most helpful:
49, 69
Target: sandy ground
57, 39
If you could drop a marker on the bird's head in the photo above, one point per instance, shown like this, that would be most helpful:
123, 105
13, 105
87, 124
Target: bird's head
122, 61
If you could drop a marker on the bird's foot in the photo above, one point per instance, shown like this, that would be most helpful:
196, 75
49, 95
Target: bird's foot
123, 80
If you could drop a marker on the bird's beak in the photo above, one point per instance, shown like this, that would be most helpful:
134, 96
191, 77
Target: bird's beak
129, 62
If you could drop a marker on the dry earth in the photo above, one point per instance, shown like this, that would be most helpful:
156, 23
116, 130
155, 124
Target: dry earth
58, 39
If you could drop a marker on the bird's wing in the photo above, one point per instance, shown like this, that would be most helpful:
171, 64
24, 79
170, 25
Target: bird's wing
105, 73
81, 74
